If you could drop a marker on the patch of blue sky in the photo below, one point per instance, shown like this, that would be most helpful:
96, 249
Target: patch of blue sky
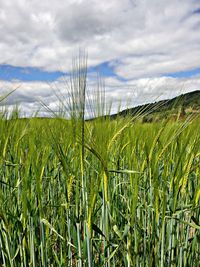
9, 73
196, 11
185, 74
105, 69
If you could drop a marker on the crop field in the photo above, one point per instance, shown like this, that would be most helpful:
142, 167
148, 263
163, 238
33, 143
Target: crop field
99, 193
100, 133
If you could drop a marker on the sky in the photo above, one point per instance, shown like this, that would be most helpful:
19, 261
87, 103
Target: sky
143, 50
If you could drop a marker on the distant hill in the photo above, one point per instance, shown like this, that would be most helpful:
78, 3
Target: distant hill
182, 105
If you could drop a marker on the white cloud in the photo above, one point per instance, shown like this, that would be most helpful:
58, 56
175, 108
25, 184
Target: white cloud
144, 38
32, 95
142, 41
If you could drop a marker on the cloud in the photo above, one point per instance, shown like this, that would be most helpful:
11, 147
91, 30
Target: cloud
138, 38
141, 41
31, 96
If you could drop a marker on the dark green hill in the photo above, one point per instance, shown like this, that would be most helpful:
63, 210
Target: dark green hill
182, 105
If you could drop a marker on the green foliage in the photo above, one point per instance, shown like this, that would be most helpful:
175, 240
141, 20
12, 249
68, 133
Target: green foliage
99, 193
135, 203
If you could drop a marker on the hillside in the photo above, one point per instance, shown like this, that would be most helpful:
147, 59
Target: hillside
182, 105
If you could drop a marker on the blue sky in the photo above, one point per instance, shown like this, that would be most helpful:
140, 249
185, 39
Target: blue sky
27, 74
9, 73
185, 74
160, 45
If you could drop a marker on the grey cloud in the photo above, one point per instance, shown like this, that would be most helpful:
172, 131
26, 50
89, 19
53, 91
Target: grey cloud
82, 22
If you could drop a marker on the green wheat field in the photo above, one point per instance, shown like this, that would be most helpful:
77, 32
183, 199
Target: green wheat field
103, 192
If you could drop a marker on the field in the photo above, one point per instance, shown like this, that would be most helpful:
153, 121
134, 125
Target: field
99, 193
